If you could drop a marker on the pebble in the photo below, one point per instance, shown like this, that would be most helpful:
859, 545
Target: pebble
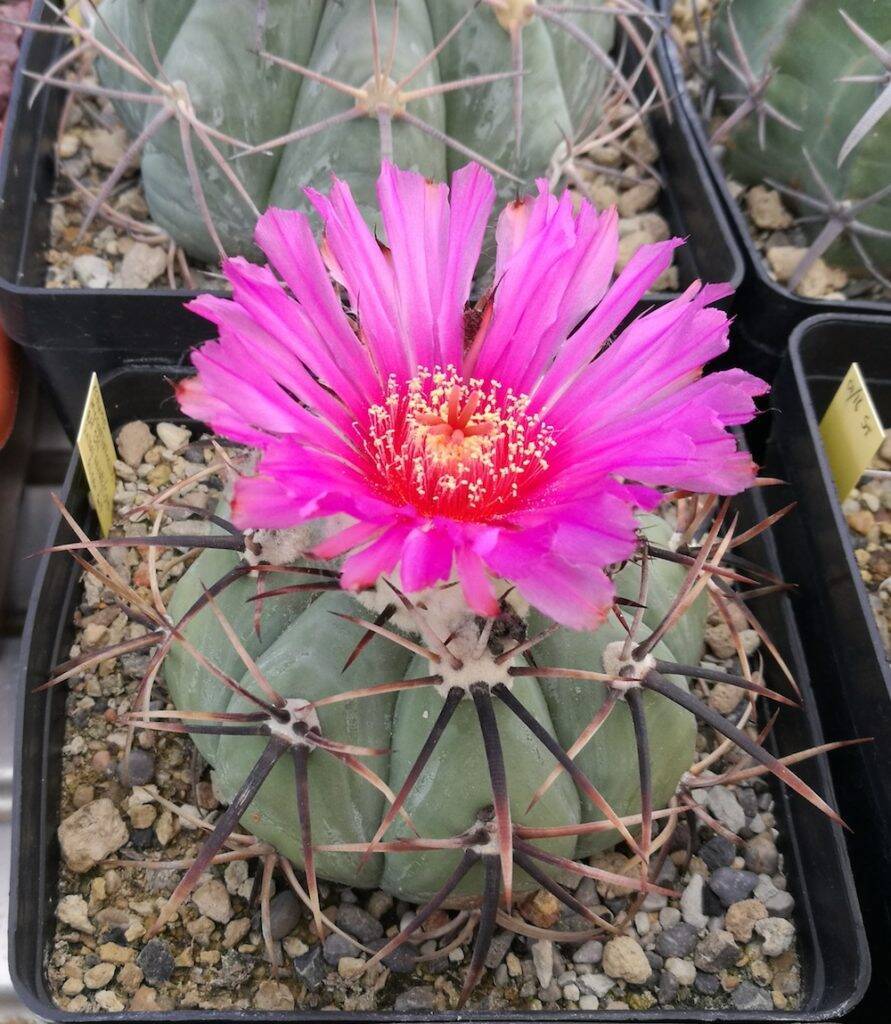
777, 934
742, 917
678, 941
543, 961
379, 902
641, 922
589, 1003
706, 984
669, 917
748, 996
722, 803
359, 923
235, 875
542, 909
156, 962
284, 914
668, 988
133, 441
336, 947
761, 854
683, 970
724, 697
212, 900
716, 951
718, 852
418, 999
501, 943
137, 768
691, 903
349, 967
92, 271
590, 952
91, 834
623, 958
113, 953
310, 967
142, 265
107, 146
99, 975
109, 1001
597, 984
820, 280
273, 995
766, 209
72, 910
638, 198
145, 1000
69, 144
235, 931
731, 886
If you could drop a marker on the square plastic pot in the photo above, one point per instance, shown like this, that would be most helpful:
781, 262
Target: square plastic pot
835, 958
850, 669
68, 333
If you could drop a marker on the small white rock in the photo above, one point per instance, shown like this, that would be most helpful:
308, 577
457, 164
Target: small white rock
91, 271
172, 436
72, 910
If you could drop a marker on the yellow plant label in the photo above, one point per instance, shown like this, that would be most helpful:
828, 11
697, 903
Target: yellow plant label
852, 431
97, 454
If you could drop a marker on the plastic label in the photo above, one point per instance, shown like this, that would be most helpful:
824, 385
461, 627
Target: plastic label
97, 454
852, 431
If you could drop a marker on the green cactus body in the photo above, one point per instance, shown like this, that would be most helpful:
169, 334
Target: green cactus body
207, 45
809, 47
301, 650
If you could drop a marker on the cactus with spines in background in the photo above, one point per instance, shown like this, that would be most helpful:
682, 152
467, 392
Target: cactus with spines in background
237, 105
803, 93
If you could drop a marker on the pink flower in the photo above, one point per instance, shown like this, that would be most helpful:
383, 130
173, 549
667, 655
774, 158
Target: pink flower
510, 440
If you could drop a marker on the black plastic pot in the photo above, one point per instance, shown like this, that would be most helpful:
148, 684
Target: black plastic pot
68, 333
850, 670
766, 312
836, 964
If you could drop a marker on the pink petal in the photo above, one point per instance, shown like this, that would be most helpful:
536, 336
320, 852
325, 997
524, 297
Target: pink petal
345, 540
259, 502
642, 270
426, 558
475, 583
368, 278
364, 568
287, 239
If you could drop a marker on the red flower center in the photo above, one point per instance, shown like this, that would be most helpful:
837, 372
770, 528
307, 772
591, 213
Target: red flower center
467, 450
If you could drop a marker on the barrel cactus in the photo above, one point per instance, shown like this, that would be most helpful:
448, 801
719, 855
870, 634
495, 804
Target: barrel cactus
237, 105
439, 639
803, 86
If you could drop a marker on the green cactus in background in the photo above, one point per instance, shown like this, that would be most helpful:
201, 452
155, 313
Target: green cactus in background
805, 90
236, 105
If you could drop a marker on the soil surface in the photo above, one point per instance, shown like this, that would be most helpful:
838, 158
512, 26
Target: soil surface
868, 513
728, 940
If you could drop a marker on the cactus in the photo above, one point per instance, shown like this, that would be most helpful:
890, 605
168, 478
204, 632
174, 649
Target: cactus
797, 80
429, 644
237, 105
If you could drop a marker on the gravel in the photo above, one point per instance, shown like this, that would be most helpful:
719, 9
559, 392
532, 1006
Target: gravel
156, 962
